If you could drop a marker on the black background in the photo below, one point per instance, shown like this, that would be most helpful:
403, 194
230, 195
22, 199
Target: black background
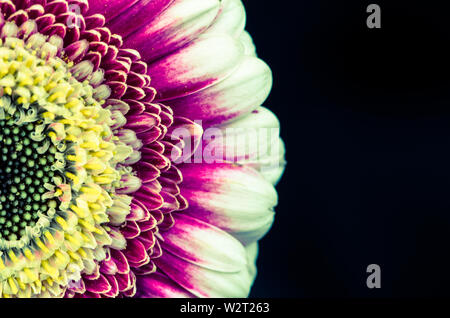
365, 115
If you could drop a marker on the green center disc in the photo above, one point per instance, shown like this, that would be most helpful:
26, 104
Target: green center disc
23, 173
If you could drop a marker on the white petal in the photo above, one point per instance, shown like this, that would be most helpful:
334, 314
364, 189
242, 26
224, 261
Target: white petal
231, 19
272, 167
231, 197
247, 41
203, 244
247, 139
252, 254
252, 140
208, 60
204, 282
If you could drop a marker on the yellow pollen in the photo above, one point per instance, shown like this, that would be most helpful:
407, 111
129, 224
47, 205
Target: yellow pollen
82, 253
42, 246
108, 171
95, 206
72, 177
30, 274
38, 284
104, 145
60, 257
73, 255
61, 222
89, 227
99, 154
78, 211
54, 96
66, 121
28, 254
97, 129
102, 180
93, 166
87, 112
85, 237
29, 62
49, 115
53, 272
71, 239
21, 284
97, 218
13, 256
89, 190
26, 81
12, 68
71, 138
72, 103
52, 135
73, 158
50, 86
12, 285
21, 100
88, 145
49, 237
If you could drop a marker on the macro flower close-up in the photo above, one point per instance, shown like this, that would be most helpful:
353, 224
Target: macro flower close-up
136, 157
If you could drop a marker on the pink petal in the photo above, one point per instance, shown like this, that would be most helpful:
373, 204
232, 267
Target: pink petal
135, 252
160, 286
150, 198
121, 261
114, 292
176, 26
147, 269
146, 171
130, 230
99, 285
110, 8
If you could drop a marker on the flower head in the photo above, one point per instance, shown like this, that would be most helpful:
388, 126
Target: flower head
135, 159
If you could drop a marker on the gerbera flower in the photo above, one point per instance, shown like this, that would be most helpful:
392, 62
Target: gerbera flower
136, 159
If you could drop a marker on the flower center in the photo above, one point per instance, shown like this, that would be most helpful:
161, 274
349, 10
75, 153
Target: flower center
24, 170
60, 166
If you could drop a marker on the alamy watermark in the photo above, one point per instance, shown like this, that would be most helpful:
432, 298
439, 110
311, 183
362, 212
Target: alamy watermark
233, 145
374, 279
374, 19
74, 19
